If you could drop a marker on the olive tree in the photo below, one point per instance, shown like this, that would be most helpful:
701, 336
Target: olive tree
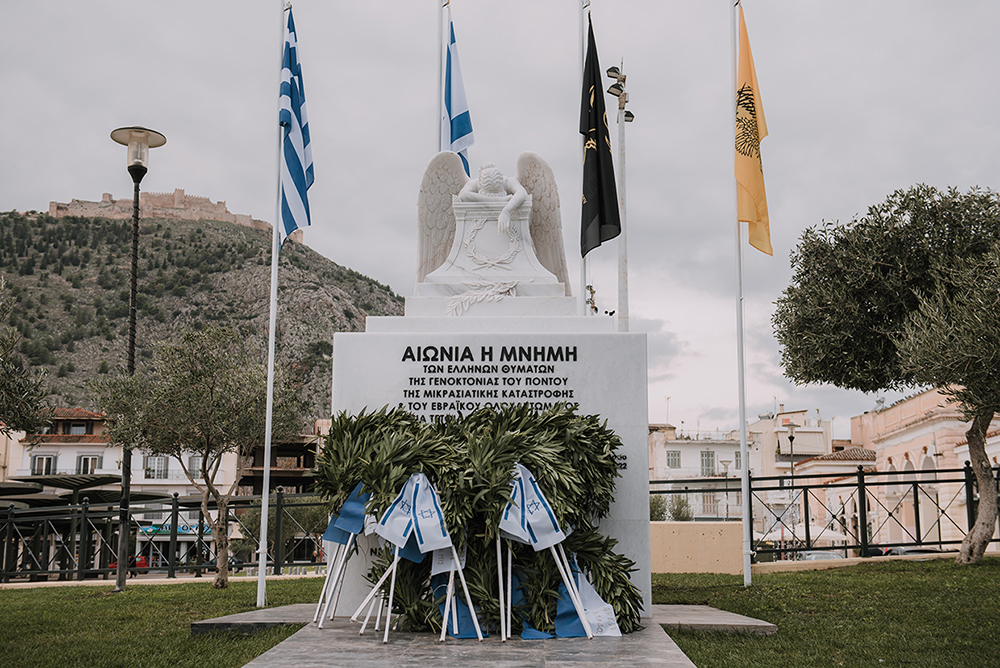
22, 392
899, 298
203, 396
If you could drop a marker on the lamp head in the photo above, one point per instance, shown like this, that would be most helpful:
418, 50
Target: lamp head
138, 140
616, 90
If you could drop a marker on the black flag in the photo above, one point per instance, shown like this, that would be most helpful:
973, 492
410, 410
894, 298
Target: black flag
600, 220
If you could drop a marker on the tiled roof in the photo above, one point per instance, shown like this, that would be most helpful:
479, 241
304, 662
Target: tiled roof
848, 455
68, 439
76, 414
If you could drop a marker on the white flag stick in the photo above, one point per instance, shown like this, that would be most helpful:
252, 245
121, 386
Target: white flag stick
375, 589
337, 576
503, 630
326, 583
368, 616
339, 582
447, 606
468, 598
581, 613
510, 586
576, 588
392, 590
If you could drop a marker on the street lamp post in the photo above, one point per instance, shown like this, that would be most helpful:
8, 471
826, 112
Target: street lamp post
617, 89
725, 474
138, 140
791, 457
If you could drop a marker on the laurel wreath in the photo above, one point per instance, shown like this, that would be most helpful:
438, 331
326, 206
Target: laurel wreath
484, 262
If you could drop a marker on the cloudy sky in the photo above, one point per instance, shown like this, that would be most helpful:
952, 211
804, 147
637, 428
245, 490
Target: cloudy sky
861, 98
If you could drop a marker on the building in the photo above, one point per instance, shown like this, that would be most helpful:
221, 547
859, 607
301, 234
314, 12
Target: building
714, 462
914, 439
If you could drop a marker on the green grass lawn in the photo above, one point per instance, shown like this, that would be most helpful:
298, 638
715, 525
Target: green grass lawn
898, 613
932, 613
147, 626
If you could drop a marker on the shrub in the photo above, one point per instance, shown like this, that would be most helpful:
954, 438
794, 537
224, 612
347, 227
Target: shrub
657, 508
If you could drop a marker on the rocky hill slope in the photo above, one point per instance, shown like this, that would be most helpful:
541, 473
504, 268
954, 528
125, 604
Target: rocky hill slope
69, 277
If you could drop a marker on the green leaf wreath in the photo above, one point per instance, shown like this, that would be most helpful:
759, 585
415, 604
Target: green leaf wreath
470, 460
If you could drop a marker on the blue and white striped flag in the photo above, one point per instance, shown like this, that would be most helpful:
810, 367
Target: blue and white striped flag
528, 517
456, 123
416, 511
296, 153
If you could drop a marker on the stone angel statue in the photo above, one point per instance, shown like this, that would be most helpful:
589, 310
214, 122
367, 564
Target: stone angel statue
445, 178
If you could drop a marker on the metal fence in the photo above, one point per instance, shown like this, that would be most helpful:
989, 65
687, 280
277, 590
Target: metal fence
868, 513
78, 542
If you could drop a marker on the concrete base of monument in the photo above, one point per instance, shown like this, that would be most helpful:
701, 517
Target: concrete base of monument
435, 366
536, 324
484, 302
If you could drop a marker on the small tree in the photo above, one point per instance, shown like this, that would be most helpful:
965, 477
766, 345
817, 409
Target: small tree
203, 396
22, 393
895, 299
679, 508
657, 508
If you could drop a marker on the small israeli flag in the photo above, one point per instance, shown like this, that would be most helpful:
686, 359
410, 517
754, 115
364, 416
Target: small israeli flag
456, 123
416, 510
352, 513
528, 517
296, 152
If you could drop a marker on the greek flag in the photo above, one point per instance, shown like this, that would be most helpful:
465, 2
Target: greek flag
296, 154
456, 123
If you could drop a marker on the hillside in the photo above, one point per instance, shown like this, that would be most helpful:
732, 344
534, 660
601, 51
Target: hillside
69, 277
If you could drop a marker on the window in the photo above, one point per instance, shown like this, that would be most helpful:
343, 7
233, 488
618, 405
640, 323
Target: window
43, 464
78, 428
154, 511
88, 464
736, 458
673, 459
707, 463
194, 466
709, 504
156, 468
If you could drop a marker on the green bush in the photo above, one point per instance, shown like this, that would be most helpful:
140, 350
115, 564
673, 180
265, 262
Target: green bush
657, 508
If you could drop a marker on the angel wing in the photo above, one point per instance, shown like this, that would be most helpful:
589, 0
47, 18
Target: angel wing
443, 178
546, 223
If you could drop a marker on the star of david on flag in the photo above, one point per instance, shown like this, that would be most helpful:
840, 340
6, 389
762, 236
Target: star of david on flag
417, 511
528, 517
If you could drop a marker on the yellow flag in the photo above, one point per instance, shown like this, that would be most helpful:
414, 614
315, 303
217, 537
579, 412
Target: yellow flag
751, 202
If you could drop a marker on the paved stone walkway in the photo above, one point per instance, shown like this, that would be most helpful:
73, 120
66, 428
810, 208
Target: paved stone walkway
339, 644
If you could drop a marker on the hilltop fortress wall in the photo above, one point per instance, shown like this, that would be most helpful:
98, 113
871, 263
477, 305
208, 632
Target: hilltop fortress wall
177, 205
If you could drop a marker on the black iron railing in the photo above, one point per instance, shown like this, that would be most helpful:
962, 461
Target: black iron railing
867, 513
78, 542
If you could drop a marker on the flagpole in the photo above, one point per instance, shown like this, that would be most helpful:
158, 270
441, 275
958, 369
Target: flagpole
740, 362
584, 262
440, 74
272, 319
622, 245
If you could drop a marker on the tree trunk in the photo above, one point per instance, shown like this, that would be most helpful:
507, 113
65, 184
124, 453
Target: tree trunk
979, 536
220, 529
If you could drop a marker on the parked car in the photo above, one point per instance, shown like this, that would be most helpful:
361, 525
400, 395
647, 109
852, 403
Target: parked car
818, 555
913, 550
141, 563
